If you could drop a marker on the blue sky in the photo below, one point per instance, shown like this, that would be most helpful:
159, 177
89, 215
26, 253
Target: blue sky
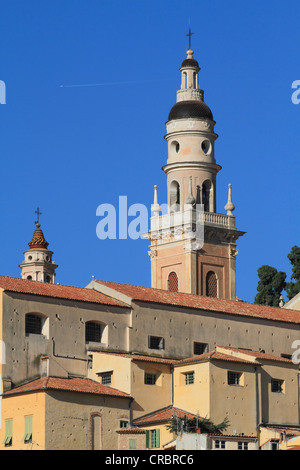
70, 149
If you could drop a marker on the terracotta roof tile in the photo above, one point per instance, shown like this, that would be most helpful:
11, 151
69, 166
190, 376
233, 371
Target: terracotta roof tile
257, 354
81, 385
164, 414
214, 355
180, 299
140, 357
23, 286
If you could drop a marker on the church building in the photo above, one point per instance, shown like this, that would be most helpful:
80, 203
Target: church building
108, 365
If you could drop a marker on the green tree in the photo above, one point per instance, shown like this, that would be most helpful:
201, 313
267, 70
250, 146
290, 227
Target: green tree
270, 286
186, 424
293, 288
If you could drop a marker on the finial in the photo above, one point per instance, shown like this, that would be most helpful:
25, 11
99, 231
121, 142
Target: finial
190, 199
281, 301
229, 206
37, 222
155, 208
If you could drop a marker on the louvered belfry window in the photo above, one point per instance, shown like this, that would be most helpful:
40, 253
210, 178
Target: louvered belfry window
173, 282
211, 284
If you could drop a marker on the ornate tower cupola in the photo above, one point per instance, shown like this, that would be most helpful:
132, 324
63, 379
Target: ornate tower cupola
38, 264
206, 268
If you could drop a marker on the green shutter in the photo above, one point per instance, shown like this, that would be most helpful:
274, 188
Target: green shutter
157, 438
147, 439
28, 429
8, 432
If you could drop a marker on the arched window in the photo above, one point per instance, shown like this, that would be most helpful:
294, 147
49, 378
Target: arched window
174, 196
173, 282
211, 284
94, 332
205, 195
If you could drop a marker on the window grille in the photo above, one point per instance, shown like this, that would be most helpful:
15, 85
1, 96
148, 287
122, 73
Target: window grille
189, 378
234, 378
106, 378
173, 282
93, 332
211, 284
156, 342
150, 379
33, 324
277, 386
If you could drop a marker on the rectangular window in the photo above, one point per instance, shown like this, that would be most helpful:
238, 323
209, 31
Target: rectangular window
8, 432
233, 378
274, 445
189, 378
277, 386
132, 444
123, 424
28, 430
150, 379
242, 445
106, 378
219, 444
154, 438
33, 324
200, 348
156, 342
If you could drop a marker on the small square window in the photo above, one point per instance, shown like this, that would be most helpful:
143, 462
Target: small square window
149, 379
277, 386
233, 378
156, 342
189, 378
200, 348
123, 424
106, 378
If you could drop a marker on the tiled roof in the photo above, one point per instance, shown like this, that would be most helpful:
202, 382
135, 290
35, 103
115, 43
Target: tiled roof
214, 355
180, 299
140, 357
23, 286
131, 431
80, 385
164, 414
257, 354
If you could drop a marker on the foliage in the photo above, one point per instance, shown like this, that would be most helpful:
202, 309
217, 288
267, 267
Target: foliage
270, 286
186, 424
293, 288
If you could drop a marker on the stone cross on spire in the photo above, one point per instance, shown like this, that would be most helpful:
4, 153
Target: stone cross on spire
38, 213
190, 37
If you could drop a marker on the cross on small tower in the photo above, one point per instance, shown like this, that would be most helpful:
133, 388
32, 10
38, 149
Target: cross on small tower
38, 213
190, 37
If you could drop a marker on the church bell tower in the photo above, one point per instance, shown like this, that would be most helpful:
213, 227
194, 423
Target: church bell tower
38, 264
178, 264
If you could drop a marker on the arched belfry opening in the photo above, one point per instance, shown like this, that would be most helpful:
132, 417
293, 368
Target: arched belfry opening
173, 282
174, 196
211, 284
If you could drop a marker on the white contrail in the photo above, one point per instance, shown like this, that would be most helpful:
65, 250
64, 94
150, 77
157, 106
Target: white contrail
114, 83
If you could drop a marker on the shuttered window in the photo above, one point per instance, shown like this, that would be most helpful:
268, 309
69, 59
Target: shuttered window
28, 429
8, 432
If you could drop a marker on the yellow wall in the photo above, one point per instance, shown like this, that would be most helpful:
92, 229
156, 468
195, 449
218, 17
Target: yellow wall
194, 397
128, 376
165, 436
16, 408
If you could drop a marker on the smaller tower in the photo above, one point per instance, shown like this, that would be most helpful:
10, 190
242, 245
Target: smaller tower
38, 264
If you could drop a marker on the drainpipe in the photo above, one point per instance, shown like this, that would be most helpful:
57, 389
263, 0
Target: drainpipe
172, 391
257, 403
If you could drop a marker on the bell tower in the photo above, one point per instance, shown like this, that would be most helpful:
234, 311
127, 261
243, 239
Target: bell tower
38, 264
180, 261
